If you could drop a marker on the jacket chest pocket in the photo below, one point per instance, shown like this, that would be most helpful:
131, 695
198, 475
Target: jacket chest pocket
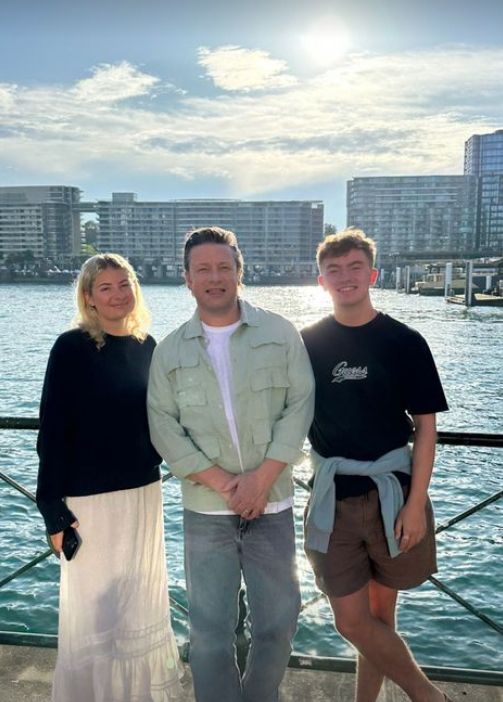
269, 391
191, 390
192, 403
268, 354
191, 397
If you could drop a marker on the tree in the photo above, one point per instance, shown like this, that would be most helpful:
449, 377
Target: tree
330, 229
20, 257
89, 250
91, 231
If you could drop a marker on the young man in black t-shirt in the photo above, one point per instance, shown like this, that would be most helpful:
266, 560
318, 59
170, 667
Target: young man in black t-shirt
369, 525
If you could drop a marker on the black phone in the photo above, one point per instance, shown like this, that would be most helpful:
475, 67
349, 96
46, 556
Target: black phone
71, 542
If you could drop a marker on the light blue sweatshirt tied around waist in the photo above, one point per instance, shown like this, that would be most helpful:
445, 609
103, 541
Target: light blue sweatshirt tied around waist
321, 512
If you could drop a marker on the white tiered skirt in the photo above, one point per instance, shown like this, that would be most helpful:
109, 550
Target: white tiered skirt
115, 639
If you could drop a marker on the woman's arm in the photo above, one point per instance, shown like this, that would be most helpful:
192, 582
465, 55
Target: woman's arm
54, 439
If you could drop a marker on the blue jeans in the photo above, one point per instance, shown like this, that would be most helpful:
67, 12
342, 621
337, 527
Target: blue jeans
217, 550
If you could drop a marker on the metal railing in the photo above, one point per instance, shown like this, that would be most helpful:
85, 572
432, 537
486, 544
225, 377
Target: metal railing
296, 661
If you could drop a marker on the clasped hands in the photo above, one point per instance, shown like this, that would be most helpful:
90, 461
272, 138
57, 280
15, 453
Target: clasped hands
246, 494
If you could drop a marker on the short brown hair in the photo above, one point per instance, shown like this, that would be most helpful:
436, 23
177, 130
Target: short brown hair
213, 235
343, 242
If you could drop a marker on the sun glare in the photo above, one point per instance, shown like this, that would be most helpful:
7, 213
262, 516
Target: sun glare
326, 41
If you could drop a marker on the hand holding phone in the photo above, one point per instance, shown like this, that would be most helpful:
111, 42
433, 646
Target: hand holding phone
71, 542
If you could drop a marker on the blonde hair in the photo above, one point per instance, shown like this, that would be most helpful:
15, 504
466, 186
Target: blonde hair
86, 318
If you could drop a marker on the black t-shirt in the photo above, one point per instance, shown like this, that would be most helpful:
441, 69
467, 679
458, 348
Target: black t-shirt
94, 434
369, 379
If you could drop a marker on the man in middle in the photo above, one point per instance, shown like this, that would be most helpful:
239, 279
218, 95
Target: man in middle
230, 403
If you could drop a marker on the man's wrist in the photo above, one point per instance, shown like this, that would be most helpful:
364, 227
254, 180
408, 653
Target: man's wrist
269, 471
264, 480
215, 478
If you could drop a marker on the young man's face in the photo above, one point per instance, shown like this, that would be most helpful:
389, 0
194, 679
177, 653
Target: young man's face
347, 278
213, 280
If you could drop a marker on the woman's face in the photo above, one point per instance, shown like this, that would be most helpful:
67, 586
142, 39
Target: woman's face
112, 296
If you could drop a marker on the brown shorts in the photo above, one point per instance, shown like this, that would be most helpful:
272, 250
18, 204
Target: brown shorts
358, 551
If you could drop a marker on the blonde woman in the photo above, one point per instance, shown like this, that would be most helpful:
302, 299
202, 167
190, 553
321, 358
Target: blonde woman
100, 474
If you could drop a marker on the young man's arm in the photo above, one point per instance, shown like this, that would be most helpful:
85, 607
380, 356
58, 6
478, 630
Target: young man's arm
410, 526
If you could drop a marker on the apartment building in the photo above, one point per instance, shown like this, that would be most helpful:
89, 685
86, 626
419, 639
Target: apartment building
484, 159
415, 215
41, 219
433, 216
273, 235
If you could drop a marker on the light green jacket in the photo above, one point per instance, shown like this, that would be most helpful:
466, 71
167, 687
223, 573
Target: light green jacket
273, 400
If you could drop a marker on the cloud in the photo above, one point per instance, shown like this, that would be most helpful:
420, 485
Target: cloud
395, 114
234, 68
114, 82
6, 97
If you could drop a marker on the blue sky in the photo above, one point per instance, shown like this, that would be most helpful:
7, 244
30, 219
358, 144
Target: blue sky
257, 100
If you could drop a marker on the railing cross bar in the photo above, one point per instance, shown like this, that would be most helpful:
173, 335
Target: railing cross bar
314, 600
480, 615
302, 484
27, 566
468, 512
13, 483
177, 605
472, 438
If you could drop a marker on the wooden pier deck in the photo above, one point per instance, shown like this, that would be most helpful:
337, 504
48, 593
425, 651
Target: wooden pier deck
479, 300
26, 674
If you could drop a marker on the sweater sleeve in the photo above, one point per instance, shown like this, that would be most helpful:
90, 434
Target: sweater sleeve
54, 439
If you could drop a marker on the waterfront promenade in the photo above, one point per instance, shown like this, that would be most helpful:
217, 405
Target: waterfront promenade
26, 674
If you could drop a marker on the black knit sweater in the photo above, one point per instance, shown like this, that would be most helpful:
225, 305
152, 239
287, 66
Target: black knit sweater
94, 433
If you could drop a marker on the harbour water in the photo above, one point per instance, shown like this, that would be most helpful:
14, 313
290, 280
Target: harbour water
468, 348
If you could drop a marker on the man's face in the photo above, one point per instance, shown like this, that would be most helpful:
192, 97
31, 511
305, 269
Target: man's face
213, 280
347, 278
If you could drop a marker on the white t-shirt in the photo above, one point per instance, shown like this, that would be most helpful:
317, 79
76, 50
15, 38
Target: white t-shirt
218, 349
